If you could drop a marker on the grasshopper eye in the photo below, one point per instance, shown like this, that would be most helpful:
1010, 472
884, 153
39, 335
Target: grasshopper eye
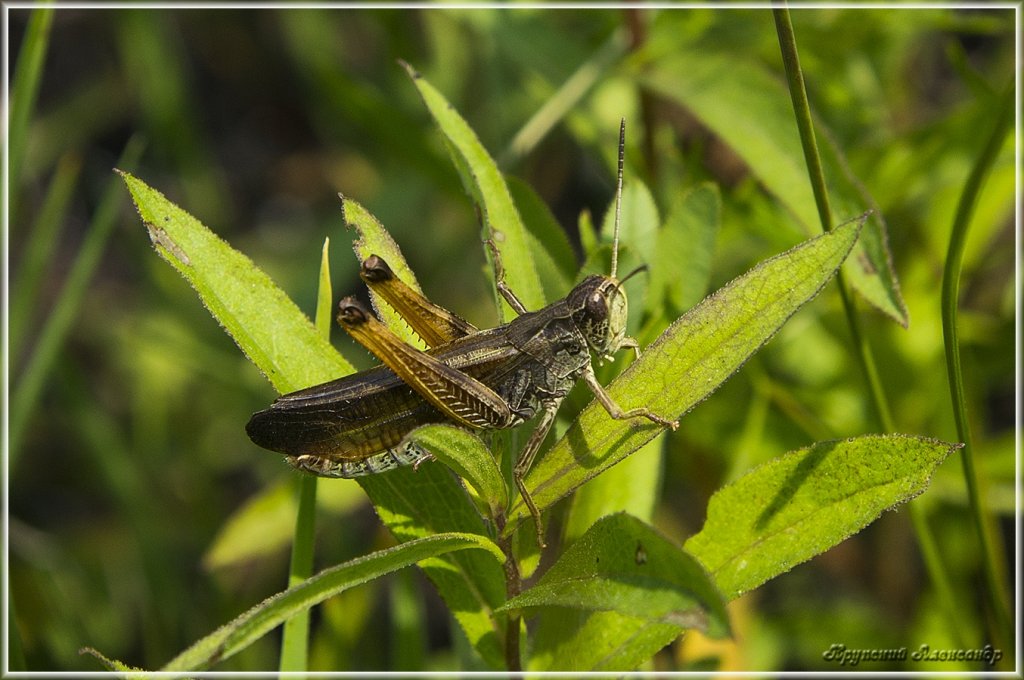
597, 306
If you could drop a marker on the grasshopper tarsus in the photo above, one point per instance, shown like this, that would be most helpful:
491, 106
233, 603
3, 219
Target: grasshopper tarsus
538, 523
351, 312
375, 270
499, 280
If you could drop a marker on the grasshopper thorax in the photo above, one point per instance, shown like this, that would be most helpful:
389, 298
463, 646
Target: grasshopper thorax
599, 310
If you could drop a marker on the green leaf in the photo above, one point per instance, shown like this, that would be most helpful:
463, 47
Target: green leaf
463, 452
374, 239
639, 221
261, 527
484, 182
553, 255
803, 503
324, 294
272, 612
282, 342
624, 565
688, 362
115, 666
572, 640
417, 503
266, 324
750, 110
265, 524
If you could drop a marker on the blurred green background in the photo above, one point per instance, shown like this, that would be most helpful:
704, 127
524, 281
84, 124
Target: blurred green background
141, 517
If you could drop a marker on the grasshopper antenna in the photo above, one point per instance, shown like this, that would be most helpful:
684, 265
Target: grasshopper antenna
618, 197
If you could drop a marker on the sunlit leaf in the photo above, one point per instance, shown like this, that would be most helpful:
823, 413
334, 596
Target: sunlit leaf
689, 361
803, 503
484, 182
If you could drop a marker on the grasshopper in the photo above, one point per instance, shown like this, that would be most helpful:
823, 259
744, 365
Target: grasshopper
479, 379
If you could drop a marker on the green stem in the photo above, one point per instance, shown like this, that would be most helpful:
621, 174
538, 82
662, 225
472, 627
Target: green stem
513, 586
787, 43
295, 637
805, 124
994, 570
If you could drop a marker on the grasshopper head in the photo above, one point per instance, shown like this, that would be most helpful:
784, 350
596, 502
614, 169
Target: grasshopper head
599, 310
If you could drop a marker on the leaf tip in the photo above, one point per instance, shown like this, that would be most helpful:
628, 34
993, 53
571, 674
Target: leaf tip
413, 73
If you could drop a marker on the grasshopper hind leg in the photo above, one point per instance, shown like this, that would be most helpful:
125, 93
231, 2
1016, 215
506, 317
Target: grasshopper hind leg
409, 453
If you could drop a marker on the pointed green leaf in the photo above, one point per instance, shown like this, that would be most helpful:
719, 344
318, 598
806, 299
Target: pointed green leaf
265, 323
803, 503
272, 612
374, 239
751, 111
282, 342
624, 565
484, 182
553, 255
688, 362
324, 294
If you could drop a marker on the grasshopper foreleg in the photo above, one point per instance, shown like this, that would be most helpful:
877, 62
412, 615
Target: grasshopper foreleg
499, 280
615, 411
525, 460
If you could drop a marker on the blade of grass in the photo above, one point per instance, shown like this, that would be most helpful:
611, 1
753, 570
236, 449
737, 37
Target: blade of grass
564, 99
238, 634
27, 77
42, 241
801, 107
69, 303
295, 637
993, 567
805, 124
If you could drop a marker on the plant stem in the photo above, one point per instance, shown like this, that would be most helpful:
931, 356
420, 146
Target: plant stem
816, 174
513, 586
295, 638
787, 44
994, 570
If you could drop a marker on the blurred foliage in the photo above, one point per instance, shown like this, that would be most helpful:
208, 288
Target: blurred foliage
134, 487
